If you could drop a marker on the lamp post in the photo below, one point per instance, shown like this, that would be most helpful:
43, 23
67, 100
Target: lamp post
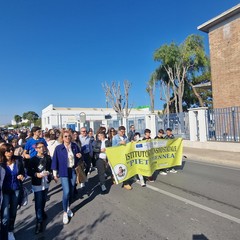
82, 116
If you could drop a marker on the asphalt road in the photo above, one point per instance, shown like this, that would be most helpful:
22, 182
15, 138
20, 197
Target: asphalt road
201, 201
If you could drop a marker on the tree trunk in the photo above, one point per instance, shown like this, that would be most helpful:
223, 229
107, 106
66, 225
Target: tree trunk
201, 103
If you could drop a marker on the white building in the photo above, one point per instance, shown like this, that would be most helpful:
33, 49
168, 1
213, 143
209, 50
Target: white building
64, 117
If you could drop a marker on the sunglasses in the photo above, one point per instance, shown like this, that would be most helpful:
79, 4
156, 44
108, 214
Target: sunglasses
67, 136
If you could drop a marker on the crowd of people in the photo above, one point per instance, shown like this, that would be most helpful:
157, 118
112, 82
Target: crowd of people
54, 155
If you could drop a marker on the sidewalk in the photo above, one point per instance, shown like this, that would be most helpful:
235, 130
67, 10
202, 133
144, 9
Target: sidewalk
213, 156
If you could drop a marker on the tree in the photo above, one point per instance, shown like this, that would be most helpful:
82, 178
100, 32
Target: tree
151, 89
118, 101
30, 116
38, 122
166, 92
203, 95
17, 119
178, 61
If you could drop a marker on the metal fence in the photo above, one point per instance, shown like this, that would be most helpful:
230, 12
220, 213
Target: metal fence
179, 123
223, 124
139, 123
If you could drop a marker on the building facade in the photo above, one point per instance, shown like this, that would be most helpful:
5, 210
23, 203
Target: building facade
75, 118
224, 43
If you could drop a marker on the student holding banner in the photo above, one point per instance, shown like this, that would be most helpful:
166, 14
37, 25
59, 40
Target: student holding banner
169, 135
147, 136
136, 138
122, 139
161, 136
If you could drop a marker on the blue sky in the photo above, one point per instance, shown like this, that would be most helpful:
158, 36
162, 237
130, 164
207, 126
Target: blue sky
60, 52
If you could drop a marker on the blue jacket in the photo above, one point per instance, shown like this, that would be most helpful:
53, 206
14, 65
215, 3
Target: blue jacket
2, 175
60, 159
116, 140
9, 179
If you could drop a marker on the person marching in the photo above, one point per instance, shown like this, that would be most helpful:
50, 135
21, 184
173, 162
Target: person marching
118, 140
12, 175
30, 146
101, 158
65, 159
39, 169
169, 135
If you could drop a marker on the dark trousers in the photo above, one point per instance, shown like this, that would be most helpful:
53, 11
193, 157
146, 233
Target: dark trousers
101, 167
87, 160
40, 202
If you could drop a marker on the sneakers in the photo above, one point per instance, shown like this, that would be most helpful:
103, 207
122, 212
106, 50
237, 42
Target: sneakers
143, 184
172, 170
11, 236
103, 187
163, 173
127, 187
69, 213
65, 218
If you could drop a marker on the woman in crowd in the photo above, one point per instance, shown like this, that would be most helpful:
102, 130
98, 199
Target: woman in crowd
65, 159
11, 185
22, 139
18, 150
39, 170
76, 139
52, 142
111, 132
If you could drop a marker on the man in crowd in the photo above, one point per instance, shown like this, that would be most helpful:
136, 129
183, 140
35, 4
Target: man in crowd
118, 140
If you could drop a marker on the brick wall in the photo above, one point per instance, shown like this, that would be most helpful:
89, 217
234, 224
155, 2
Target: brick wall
224, 41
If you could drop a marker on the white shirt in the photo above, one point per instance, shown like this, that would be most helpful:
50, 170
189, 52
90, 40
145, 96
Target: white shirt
70, 157
103, 155
51, 146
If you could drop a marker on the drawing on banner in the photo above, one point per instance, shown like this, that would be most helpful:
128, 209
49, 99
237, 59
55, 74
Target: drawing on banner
120, 171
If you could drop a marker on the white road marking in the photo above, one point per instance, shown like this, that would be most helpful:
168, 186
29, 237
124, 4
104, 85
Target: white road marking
211, 210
